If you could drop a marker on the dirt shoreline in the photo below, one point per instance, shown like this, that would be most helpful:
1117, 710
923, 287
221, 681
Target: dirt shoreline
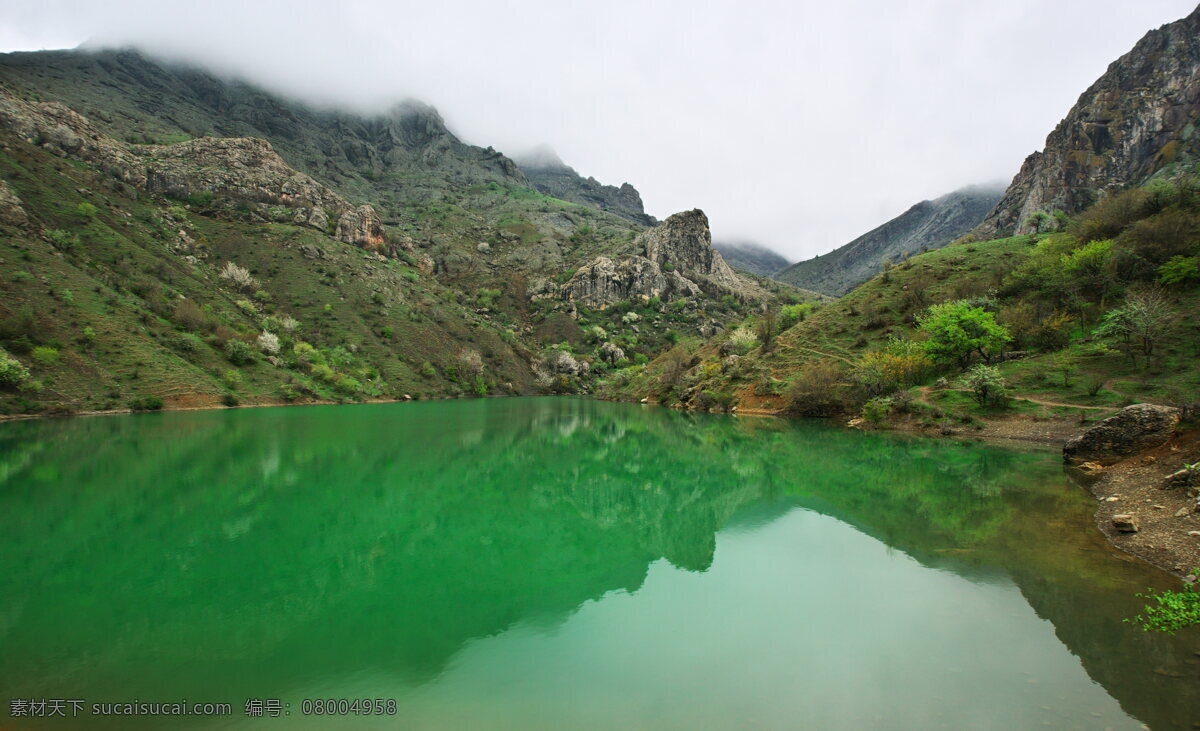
1165, 515
1137, 483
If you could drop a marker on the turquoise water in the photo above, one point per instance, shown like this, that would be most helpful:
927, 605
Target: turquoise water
565, 563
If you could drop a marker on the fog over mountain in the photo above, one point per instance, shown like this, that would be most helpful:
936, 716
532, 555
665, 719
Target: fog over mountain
777, 120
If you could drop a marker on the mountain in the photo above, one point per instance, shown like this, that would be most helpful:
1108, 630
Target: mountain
1137, 121
751, 257
171, 237
927, 225
550, 175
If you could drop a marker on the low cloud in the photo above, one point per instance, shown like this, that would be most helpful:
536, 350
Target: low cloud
799, 125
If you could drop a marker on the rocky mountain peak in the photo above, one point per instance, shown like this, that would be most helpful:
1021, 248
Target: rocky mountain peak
547, 172
1139, 119
416, 124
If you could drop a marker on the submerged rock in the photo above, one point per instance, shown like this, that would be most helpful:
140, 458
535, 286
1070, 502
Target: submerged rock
1131, 430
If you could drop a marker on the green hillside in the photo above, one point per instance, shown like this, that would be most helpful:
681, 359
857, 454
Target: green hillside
1082, 320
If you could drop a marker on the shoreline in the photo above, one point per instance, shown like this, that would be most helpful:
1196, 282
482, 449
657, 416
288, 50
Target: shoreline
1129, 481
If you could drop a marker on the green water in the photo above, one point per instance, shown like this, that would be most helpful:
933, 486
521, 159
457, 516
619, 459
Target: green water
564, 563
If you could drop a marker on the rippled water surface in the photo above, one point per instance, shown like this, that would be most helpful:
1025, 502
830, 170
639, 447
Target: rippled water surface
564, 563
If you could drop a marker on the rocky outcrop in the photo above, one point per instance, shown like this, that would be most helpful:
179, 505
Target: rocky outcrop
550, 175
1129, 431
675, 259
605, 281
927, 225
1138, 118
611, 354
683, 243
361, 227
236, 170
12, 213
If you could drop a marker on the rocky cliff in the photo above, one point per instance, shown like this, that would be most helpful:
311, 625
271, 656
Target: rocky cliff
241, 171
926, 226
552, 176
674, 259
1139, 119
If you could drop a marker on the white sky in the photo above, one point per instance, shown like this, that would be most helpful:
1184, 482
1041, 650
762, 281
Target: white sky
797, 124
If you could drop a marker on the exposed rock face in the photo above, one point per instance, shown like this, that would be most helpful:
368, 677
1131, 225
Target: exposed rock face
361, 227
605, 281
1130, 430
552, 176
1138, 118
242, 169
676, 260
231, 169
927, 225
11, 211
683, 242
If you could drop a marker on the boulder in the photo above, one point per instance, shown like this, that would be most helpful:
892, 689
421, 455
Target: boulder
1131, 430
610, 353
1125, 523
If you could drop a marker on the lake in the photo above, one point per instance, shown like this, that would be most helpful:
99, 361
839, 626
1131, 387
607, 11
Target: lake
555, 563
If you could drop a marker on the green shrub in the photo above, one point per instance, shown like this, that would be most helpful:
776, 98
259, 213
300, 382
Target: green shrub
792, 314
1170, 611
86, 210
146, 403
238, 352
877, 409
12, 373
185, 343
62, 240
45, 355
1180, 270
202, 199
230, 400
232, 378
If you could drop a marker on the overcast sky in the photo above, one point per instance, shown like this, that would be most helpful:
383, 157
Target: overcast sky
797, 124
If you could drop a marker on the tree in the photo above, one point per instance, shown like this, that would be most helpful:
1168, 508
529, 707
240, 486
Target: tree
792, 314
240, 276
987, 385
957, 330
768, 326
1037, 222
1142, 323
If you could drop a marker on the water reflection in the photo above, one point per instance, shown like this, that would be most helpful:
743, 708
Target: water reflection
219, 554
